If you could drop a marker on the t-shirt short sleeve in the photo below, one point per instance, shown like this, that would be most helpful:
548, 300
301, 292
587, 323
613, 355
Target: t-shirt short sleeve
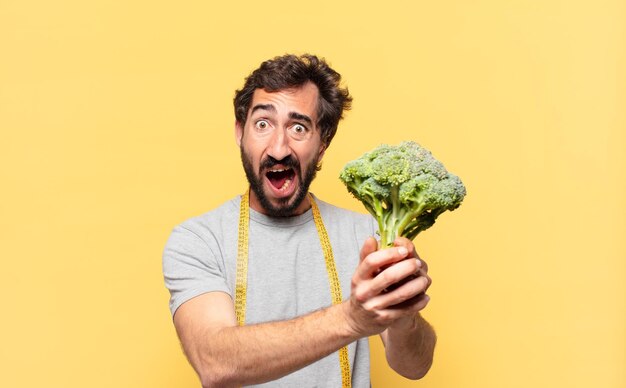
191, 267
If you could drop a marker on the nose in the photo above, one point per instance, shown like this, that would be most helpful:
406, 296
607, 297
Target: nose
278, 147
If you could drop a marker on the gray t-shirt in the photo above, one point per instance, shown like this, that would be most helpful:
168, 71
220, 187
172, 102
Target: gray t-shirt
287, 274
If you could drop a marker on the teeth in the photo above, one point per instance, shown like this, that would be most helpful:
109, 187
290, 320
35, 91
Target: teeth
286, 184
279, 170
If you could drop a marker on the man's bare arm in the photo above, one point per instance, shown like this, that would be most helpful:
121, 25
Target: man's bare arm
409, 349
225, 355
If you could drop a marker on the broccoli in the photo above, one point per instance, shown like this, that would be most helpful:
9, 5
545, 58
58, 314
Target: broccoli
404, 187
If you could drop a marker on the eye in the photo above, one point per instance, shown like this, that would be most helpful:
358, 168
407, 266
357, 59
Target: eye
262, 125
299, 131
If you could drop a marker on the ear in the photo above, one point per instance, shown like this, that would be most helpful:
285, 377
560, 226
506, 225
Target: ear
322, 151
238, 132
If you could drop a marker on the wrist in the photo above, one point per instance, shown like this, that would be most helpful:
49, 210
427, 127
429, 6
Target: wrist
408, 323
348, 321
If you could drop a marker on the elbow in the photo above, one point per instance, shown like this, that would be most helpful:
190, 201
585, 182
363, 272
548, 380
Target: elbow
217, 374
420, 373
212, 379
416, 373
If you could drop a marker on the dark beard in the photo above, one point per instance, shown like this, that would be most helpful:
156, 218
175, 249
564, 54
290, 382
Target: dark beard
285, 209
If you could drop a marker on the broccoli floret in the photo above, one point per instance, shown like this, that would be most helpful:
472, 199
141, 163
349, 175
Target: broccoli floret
404, 187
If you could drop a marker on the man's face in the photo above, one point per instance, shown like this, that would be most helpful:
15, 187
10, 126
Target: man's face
281, 148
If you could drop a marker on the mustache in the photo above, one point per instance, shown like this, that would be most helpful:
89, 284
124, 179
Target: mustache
287, 161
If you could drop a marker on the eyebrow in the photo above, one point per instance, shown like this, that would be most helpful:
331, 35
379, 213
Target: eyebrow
269, 107
292, 115
301, 117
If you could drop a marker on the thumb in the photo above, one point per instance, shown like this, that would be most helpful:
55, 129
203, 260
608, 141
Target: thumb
370, 246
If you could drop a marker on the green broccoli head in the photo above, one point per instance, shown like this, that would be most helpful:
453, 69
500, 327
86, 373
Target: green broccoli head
404, 187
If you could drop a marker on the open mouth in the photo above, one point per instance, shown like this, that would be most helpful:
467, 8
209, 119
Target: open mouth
281, 178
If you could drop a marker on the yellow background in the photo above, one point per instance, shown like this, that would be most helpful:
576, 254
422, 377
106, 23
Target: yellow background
116, 124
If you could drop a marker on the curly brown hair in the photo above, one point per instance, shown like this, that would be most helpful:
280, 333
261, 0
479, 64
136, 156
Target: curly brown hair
290, 71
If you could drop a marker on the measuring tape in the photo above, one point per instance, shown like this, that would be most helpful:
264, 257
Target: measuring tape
242, 272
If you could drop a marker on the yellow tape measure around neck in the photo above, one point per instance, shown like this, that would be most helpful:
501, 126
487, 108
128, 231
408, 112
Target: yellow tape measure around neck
242, 272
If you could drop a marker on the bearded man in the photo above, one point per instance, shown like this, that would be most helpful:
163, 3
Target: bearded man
277, 287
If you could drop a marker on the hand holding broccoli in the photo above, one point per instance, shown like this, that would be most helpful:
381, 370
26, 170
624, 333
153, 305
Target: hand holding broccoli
404, 187
388, 288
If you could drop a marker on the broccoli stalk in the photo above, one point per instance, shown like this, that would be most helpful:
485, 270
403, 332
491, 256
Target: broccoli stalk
404, 187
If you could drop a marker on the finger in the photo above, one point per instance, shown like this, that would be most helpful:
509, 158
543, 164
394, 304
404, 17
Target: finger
409, 308
413, 305
394, 274
423, 265
407, 289
408, 244
369, 246
405, 292
372, 263
405, 242
423, 272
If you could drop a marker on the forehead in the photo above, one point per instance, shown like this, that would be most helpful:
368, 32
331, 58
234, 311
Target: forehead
302, 100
